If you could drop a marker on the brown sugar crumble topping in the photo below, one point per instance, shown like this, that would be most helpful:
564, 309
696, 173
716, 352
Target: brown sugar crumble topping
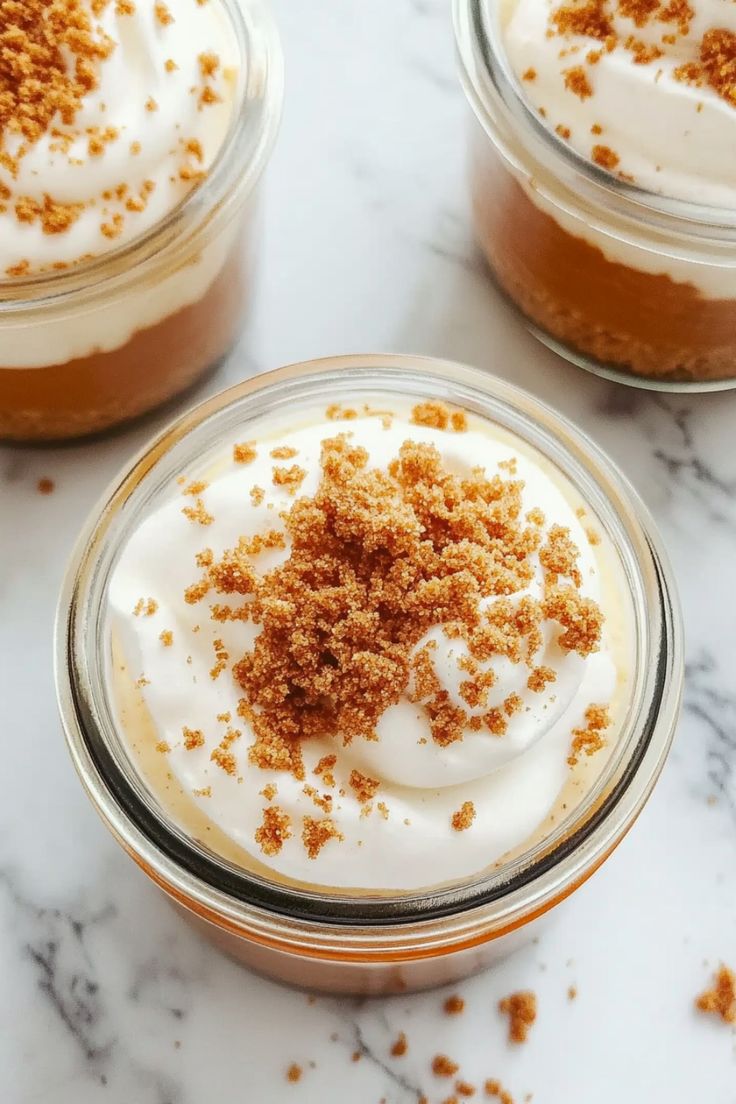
244, 453
316, 833
721, 998
521, 1008
291, 478
464, 817
588, 740
274, 831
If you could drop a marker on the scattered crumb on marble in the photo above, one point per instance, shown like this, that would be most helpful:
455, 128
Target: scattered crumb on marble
400, 1046
721, 998
521, 1008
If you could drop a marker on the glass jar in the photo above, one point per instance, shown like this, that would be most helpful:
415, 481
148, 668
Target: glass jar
367, 943
628, 284
95, 345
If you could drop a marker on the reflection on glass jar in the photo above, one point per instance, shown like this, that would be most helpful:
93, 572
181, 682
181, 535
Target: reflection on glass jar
631, 281
354, 786
128, 276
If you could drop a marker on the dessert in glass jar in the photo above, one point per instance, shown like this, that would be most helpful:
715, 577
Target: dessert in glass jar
132, 136
369, 663
602, 176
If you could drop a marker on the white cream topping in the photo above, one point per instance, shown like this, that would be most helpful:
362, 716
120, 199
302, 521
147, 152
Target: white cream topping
165, 136
673, 138
513, 780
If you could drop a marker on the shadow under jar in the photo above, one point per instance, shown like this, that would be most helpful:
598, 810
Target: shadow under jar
88, 345
626, 282
347, 926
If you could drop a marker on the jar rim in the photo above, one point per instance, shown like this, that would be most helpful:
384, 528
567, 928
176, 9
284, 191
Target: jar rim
233, 175
492, 89
243, 899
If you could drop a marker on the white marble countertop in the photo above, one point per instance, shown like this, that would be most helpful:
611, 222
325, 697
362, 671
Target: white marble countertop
105, 994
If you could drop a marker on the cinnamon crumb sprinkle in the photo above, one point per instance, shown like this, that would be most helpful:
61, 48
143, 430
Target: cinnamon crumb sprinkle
464, 817
539, 678
209, 63
442, 1066
198, 513
45, 486
193, 738
454, 1005
291, 477
196, 487
363, 786
335, 412
166, 637
274, 831
464, 1088
400, 1046
436, 415
145, 606
721, 998
225, 760
283, 452
316, 833
563, 131
244, 453
529, 74
294, 1072
257, 495
521, 1008
576, 81
589, 740
605, 157
324, 769
162, 13
163, 747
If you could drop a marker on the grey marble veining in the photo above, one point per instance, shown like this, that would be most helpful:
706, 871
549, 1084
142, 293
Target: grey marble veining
106, 994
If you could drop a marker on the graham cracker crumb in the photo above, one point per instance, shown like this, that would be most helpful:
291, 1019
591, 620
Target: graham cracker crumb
576, 81
274, 831
464, 817
198, 513
291, 478
337, 413
316, 833
193, 738
588, 740
721, 999
521, 1008
437, 415
363, 786
605, 157
244, 453
539, 678
400, 1046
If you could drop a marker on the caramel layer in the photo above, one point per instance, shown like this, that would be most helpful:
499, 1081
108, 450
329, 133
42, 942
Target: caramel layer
93, 393
631, 320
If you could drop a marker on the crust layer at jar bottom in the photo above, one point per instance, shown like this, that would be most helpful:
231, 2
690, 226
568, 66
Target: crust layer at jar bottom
615, 316
94, 393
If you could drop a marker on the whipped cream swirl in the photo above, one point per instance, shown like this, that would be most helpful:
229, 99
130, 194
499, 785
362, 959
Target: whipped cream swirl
403, 837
